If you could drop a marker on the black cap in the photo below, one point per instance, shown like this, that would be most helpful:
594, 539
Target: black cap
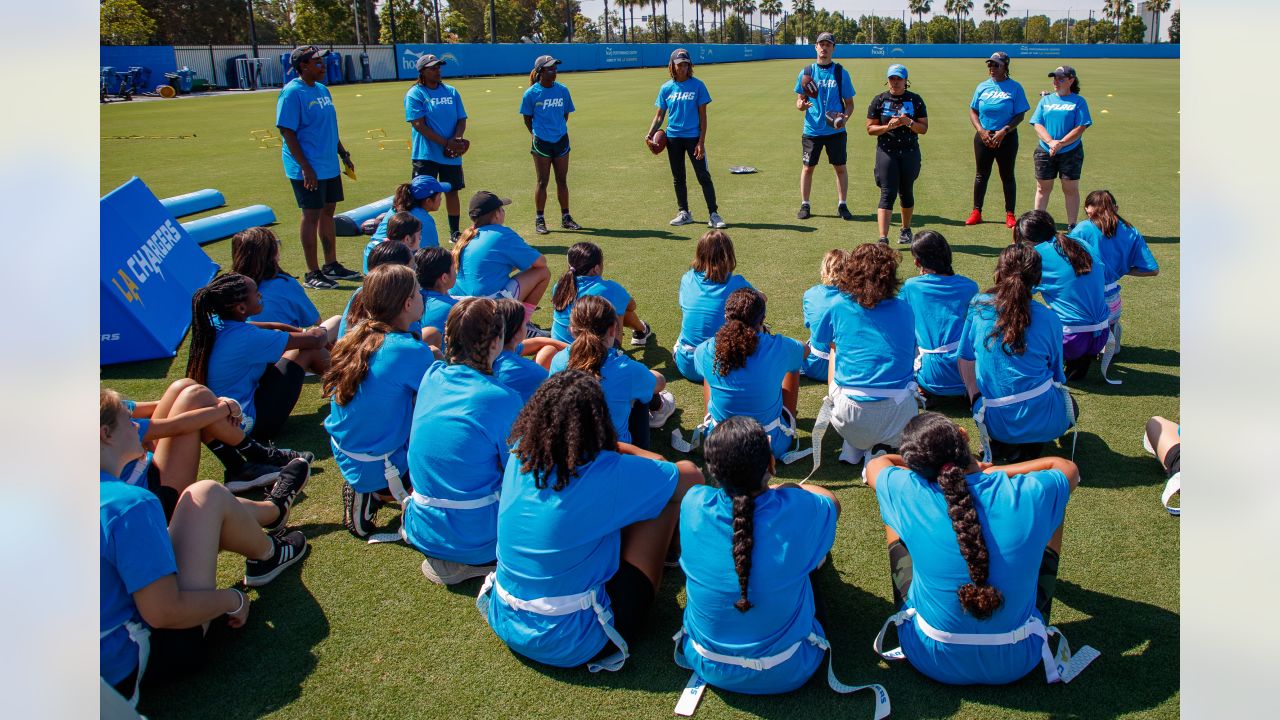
485, 202
427, 61
545, 61
825, 36
680, 54
305, 53
999, 56
1063, 71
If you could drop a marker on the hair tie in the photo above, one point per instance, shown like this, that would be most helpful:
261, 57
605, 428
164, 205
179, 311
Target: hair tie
946, 468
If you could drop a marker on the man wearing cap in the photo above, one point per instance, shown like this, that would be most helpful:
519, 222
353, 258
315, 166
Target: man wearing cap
435, 111
824, 93
308, 125
1060, 120
999, 105
546, 106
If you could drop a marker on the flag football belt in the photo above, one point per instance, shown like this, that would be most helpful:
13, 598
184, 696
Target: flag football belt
823, 421
1062, 667
1171, 488
980, 416
921, 352
140, 635
1108, 352
820, 354
560, 606
394, 484
682, 346
786, 422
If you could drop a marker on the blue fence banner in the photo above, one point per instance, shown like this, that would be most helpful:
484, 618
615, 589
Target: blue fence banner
149, 269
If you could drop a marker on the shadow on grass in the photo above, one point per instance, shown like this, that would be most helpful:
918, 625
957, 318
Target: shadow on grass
637, 234
919, 222
1139, 355
978, 250
1102, 467
141, 370
1135, 382
776, 226
1162, 240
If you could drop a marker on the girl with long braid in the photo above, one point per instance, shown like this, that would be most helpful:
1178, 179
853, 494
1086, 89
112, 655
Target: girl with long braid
377, 367
259, 365
1010, 357
749, 551
973, 550
582, 278
583, 527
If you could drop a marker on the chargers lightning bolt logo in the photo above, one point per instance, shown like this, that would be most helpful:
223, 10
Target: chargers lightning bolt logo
130, 290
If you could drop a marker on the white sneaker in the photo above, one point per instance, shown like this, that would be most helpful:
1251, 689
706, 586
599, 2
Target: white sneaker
682, 218
715, 221
852, 455
446, 572
659, 417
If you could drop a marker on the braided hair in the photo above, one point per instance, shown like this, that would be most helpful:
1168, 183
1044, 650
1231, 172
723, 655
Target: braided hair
737, 339
590, 321
1017, 274
564, 426
470, 330
583, 257
738, 456
935, 449
213, 300
1037, 226
386, 289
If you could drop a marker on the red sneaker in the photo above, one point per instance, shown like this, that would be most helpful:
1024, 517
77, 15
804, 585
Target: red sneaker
1010, 220
974, 218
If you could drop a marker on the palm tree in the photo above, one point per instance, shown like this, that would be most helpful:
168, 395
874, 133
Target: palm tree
919, 8
1159, 7
803, 10
749, 7
996, 9
771, 8
959, 8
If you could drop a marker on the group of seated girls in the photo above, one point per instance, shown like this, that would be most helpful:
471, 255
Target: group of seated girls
522, 456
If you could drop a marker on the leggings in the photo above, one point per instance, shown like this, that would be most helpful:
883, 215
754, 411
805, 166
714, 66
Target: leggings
896, 174
677, 148
1004, 157
1046, 580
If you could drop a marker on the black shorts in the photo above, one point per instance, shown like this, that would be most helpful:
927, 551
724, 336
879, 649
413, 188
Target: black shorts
1173, 461
275, 397
167, 495
327, 192
630, 595
451, 174
174, 653
1063, 165
548, 149
812, 146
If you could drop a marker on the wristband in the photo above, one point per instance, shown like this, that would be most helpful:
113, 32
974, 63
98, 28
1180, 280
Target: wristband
243, 600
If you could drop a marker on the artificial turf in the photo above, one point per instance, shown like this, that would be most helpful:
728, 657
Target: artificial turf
359, 633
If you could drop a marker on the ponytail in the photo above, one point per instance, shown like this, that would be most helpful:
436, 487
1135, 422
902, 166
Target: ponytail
1017, 274
737, 339
1104, 212
590, 322
744, 520
467, 236
533, 77
402, 200
583, 257
218, 297
386, 289
738, 457
1071, 249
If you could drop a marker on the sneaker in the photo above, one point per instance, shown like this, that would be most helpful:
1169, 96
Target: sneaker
904, 237
445, 572
317, 281
974, 218
640, 339
659, 417
682, 218
540, 226
335, 271
283, 456
1010, 220
249, 476
288, 551
803, 212
358, 510
715, 221
533, 331
884, 240
566, 222
843, 211
453, 236
850, 455
1071, 226
293, 477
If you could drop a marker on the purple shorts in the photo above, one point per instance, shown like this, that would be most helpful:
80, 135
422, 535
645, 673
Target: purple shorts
1086, 344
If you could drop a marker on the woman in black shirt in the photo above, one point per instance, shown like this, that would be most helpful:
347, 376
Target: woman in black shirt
896, 117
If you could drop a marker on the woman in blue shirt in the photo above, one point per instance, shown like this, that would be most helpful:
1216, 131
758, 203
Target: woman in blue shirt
999, 105
488, 251
973, 550
583, 277
814, 304
1123, 249
546, 106
583, 528
1060, 120
683, 101
420, 197
703, 291
939, 299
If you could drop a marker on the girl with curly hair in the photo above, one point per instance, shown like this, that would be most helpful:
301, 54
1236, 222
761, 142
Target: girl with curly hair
814, 304
583, 528
939, 298
973, 551
703, 291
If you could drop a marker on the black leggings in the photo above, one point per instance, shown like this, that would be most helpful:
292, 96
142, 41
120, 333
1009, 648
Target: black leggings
677, 148
1004, 157
901, 572
638, 424
896, 174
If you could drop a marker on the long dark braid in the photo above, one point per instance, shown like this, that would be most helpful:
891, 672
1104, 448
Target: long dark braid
219, 296
562, 427
738, 456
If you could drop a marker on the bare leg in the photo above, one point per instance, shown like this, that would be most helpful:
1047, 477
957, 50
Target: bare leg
791, 392
645, 544
1044, 188
631, 318
431, 336
883, 218
533, 284
1071, 195
208, 519
331, 326
806, 182
307, 230
312, 360
328, 233
542, 175
178, 457
842, 181
543, 358
561, 165
1163, 435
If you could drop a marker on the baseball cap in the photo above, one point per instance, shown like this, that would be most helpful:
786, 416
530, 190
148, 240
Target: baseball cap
999, 56
427, 61
897, 70
544, 61
304, 53
485, 202
1063, 71
825, 36
680, 55
424, 186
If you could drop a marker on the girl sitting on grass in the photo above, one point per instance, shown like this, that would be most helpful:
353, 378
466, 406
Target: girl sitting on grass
419, 197
1123, 249
513, 367
436, 276
387, 253
255, 253
703, 291
582, 278
487, 252
939, 299
816, 301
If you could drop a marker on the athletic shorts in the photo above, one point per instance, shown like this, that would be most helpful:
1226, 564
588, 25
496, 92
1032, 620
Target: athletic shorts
630, 596
327, 192
1173, 461
451, 174
812, 146
174, 653
275, 397
1063, 165
1085, 344
550, 149
167, 495
867, 423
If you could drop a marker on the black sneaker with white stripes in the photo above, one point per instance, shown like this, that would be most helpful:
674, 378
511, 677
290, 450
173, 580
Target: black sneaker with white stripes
293, 477
533, 331
317, 281
284, 456
358, 510
250, 475
335, 271
287, 550
566, 222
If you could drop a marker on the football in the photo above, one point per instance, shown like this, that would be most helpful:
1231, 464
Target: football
810, 87
370, 226
457, 147
658, 143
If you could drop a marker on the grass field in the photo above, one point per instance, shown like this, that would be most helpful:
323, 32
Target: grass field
359, 633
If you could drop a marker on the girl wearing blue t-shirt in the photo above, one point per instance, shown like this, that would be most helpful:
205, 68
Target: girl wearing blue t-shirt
259, 365
999, 105
546, 106
387, 253
1060, 120
583, 277
939, 299
683, 101
436, 275
751, 372
1123, 249
513, 367
377, 368
973, 551
814, 304
255, 253
495, 250
703, 291
584, 525
420, 197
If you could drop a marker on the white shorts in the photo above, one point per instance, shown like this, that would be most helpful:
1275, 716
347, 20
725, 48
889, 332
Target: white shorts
865, 424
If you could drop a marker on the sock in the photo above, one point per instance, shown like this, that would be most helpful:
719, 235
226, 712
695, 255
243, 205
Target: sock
540, 216
805, 203
655, 403
251, 450
564, 213
840, 205
453, 223
227, 455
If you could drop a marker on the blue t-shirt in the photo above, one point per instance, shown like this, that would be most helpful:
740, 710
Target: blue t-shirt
815, 302
793, 532
486, 263
240, 353
702, 305
1078, 300
457, 449
377, 420
623, 382
1019, 515
136, 552
830, 98
415, 329
1001, 374
998, 102
874, 348
553, 543
442, 109
284, 301
755, 390
430, 238
308, 111
617, 296
1126, 250
1060, 115
549, 108
681, 101
518, 373
435, 309
134, 472
940, 304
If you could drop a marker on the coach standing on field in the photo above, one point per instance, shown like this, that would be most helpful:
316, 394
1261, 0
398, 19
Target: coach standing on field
824, 93
308, 124
435, 111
